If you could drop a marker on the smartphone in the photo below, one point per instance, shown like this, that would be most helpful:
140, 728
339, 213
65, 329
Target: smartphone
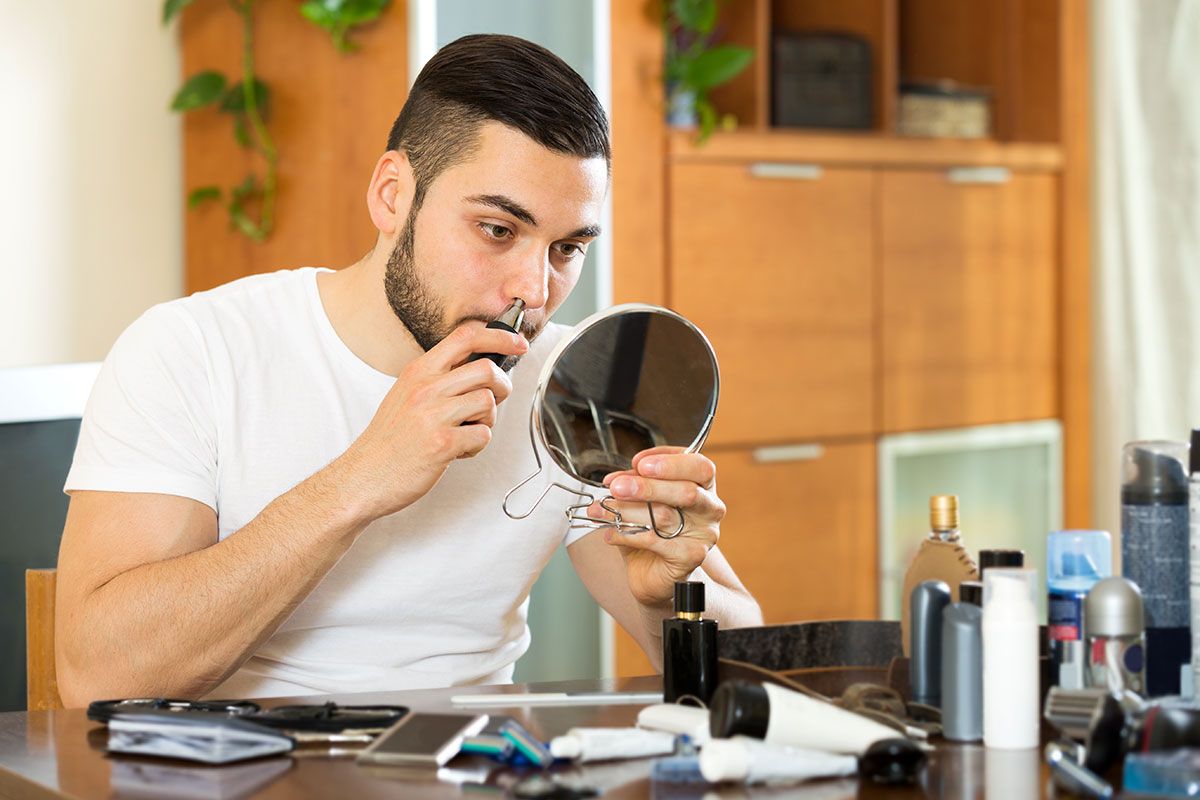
423, 739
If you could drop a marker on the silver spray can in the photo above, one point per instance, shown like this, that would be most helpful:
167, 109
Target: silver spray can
1115, 623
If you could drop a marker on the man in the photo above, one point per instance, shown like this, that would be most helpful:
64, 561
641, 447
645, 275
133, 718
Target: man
292, 484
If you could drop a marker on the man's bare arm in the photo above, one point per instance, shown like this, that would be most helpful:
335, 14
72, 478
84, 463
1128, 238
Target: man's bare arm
149, 603
603, 572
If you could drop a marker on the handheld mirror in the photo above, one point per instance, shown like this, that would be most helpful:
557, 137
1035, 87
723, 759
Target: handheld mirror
624, 380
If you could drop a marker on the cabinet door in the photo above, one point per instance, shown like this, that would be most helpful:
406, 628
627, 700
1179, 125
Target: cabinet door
800, 533
969, 298
774, 263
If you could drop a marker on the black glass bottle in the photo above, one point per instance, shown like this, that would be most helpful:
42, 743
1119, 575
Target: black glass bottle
689, 647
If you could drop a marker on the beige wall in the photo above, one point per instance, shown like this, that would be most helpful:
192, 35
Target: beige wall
90, 175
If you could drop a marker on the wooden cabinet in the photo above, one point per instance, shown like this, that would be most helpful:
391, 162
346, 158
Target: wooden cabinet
774, 263
800, 533
969, 298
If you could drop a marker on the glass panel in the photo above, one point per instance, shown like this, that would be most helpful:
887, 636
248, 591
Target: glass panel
1008, 479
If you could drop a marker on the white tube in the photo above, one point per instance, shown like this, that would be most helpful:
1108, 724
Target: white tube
801, 721
687, 720
600, 744
751, 761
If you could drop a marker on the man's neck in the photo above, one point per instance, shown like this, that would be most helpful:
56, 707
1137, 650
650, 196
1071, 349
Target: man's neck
358, 309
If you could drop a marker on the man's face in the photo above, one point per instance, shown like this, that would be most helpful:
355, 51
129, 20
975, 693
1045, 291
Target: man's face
513, 221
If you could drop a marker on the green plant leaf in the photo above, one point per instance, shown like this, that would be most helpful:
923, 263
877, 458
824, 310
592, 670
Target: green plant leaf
327, 13
717, 66
203, 194
233, 101
241, 132
238, 218
696, 15
200, 90
173, 7
247, 188
339, 16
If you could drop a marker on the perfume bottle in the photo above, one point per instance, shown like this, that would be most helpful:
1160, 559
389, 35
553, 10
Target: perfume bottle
689, 647
941, 557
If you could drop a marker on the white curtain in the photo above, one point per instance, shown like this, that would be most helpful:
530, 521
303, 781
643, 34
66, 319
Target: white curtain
1146, 214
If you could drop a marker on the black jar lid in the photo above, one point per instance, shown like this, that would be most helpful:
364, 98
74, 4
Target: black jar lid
1000, 558
739, 708
689, 597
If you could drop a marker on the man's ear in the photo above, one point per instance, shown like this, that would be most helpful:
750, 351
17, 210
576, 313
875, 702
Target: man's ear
390, 193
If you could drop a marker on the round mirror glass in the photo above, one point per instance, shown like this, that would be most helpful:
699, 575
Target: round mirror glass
627, 379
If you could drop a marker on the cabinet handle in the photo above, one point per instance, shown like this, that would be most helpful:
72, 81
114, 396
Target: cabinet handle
788, 452
979, 175
791, 172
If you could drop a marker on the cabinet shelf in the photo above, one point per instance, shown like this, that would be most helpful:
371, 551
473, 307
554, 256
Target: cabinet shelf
864, 149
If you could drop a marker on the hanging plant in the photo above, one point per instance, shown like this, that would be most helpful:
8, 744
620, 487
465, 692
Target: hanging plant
695, 66
247, 103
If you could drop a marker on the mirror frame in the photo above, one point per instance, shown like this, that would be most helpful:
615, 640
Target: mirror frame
575, 334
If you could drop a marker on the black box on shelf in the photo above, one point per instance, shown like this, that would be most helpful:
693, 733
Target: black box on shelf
821, 80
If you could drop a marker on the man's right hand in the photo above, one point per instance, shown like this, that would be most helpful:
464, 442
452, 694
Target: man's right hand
441, 408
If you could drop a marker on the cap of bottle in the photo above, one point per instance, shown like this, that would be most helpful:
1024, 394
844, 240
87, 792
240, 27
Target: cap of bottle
689, 597
1113, 607
1078, 555
1152, 473
1194, 454
739, 707
971, 592
943, 512
1000, 558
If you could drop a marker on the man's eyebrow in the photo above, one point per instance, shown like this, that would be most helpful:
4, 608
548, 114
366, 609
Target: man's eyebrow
507, 205
586, 232
510, 206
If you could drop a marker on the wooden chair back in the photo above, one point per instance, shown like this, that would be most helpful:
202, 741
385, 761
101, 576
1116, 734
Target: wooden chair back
40, 675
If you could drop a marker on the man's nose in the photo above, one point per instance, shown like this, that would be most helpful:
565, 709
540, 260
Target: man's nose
531, 280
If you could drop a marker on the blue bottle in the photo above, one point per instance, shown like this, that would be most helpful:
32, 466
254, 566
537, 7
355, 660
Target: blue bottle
1075, 562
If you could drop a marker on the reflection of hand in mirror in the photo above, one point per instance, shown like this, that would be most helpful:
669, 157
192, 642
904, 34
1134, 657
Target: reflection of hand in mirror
669, 478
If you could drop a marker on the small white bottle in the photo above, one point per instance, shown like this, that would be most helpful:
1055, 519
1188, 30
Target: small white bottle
1010, 658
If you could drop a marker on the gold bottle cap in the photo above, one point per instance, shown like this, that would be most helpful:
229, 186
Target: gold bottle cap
943, 512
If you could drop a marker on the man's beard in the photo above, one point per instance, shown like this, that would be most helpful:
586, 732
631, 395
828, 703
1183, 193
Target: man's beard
414, 305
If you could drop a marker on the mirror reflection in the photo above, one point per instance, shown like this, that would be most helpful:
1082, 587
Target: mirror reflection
635, 378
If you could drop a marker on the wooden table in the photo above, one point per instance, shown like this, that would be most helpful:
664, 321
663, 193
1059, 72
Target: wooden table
54, 754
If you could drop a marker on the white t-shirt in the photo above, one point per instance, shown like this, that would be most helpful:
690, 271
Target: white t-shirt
233, 396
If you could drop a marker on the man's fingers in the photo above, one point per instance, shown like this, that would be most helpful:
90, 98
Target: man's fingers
661, 450
477, 406
667, 520
681, 494
471, 439
678, 467
467, 339
670, 463
481, 374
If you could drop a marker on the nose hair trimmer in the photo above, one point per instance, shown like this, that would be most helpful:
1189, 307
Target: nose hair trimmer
509, 320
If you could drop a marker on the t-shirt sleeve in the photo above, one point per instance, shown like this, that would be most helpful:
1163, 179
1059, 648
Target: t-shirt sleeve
149, 424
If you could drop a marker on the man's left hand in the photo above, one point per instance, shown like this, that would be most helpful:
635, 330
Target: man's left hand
669, 479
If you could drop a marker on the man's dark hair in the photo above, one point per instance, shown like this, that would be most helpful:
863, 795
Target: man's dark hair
493, 77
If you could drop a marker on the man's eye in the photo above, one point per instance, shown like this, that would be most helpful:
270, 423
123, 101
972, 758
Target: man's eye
569, 250
495, 231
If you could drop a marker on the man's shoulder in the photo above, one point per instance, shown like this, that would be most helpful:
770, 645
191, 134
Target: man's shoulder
254, 292
187, 324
